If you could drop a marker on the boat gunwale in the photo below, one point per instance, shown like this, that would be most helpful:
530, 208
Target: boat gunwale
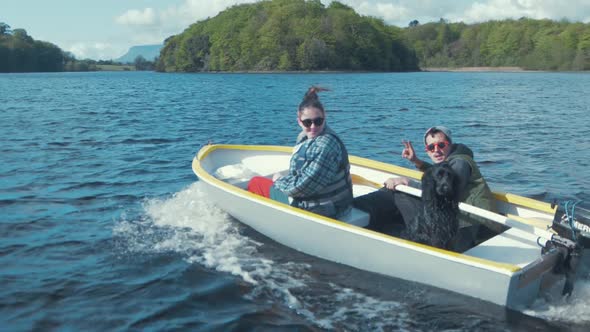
417, 175
509, 198
504, 268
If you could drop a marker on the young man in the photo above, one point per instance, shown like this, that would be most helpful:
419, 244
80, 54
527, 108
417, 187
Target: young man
386, 204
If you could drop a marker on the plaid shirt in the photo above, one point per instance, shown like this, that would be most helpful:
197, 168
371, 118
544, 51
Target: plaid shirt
323, 159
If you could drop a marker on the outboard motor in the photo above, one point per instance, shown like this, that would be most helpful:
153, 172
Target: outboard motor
572, 221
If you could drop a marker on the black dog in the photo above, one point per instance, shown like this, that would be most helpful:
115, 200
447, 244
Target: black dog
436, 225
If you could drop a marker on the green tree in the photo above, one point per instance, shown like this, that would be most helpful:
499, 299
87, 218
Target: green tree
141, 63
582, 58
313, 54
4, 29
49, 57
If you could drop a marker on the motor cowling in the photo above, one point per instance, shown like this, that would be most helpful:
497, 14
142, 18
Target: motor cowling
572, 221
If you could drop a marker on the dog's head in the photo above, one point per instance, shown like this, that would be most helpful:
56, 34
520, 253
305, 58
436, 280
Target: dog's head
439, 181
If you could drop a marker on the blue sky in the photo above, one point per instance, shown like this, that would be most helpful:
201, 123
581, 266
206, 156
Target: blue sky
106, 29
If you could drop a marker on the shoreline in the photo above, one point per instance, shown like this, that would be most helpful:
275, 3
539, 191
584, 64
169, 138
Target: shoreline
475, 69
504, 69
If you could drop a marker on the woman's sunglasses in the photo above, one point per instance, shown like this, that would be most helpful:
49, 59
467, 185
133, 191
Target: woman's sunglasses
317, 122
441, 145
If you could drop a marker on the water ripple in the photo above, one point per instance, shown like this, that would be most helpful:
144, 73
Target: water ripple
103, 230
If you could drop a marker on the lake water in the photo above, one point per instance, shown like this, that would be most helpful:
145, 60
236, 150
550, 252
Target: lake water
105, 227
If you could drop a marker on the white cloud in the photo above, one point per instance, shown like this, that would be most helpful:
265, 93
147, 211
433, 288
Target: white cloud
501, 9
400, 12
143, 17
192, 11
95, 51
537, 9
389, 12
151, 26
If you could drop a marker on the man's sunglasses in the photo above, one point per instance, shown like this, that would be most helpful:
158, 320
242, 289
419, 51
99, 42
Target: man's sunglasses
441, 145
317, 122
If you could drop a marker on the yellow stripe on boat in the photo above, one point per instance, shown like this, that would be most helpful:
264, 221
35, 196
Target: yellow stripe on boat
202, 174
526, 202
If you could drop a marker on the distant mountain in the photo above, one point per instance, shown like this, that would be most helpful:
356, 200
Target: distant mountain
148, 52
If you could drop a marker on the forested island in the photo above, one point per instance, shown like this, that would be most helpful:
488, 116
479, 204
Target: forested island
300, 35
288, 35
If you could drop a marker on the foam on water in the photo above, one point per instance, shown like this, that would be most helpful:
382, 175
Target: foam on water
574, 309
191, 225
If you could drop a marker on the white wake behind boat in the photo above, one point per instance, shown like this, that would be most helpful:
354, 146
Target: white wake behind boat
509, 269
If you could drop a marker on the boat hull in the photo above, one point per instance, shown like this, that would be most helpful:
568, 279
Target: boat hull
513, 282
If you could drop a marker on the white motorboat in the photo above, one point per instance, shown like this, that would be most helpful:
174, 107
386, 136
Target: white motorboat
509, 269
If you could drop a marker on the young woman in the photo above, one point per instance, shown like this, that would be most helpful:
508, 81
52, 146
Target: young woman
319, 172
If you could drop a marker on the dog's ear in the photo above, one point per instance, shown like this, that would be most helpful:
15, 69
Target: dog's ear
428, 184
454, 178
456, 184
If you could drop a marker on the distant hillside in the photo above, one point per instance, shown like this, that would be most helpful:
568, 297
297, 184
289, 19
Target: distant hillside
526, 43
148, 52
288, 35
